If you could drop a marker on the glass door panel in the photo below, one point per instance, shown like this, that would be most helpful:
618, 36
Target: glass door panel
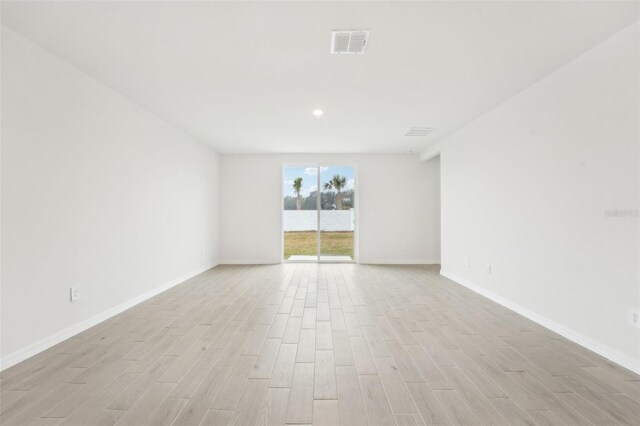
337, 213
300, 213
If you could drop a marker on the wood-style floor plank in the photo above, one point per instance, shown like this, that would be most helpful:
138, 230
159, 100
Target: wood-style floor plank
325, 413
375, 401
300, 407
350, 404
325, 376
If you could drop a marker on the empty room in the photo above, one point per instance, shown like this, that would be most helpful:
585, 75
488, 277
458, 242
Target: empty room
320, 213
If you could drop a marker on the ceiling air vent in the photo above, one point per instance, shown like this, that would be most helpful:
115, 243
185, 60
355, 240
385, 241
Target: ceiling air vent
349, 42
419, 131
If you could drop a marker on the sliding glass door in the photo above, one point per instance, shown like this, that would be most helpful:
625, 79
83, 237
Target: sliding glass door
337, 214
300, 213
318, 216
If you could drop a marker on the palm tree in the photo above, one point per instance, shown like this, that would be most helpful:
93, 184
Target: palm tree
297, 187
338, 183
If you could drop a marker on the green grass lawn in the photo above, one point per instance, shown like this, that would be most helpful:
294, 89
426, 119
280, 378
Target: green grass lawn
305, 243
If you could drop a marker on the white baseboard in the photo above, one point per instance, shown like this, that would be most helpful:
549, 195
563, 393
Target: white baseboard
363, 262
574, 336
399, 262
43, 344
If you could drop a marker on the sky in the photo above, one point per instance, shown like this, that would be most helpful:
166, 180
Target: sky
310, 179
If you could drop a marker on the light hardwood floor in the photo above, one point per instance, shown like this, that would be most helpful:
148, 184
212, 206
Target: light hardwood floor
321, 344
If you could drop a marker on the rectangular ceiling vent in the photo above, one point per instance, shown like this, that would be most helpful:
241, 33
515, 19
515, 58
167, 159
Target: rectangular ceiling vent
419, 131
351, 42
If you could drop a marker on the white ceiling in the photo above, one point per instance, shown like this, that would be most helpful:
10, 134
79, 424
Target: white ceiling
245, 77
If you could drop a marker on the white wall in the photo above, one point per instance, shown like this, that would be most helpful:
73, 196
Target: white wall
526, 188
96, 193
251, 206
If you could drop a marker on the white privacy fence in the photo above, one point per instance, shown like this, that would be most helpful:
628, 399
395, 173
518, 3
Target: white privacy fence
330, 220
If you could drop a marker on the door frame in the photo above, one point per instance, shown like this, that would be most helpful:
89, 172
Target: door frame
356, 209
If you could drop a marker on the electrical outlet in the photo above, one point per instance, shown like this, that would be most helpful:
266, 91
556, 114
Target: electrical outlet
73, 294
466, 261
487, 269
634, 317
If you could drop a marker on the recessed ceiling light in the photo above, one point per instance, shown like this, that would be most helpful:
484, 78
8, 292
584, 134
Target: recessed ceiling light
318, 112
